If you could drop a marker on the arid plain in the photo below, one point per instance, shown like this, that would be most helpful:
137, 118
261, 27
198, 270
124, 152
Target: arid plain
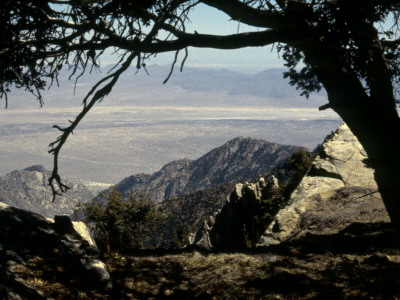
144, 124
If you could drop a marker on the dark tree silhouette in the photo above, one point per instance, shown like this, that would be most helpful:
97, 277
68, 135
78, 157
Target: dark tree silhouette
349, 47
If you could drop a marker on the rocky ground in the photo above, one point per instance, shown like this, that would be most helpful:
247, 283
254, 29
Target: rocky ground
362, 261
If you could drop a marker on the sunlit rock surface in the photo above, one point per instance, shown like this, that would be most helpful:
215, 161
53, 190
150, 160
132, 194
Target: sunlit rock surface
338, 190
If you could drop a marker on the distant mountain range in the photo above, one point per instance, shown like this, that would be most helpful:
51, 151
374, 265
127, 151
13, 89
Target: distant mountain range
28, 189
238, 159
269, 83
267, 89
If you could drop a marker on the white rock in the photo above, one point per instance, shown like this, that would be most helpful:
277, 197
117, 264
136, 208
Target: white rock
340, 165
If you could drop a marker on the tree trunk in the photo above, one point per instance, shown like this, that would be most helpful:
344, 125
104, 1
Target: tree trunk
380, 138
376, 124
370, 114
389, 188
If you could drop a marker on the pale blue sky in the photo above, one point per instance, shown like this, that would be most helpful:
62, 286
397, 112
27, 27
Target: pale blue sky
211, 21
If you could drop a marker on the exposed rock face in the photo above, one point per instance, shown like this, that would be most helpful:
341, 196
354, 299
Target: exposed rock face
196, 211
251, 206
64, 223
338, 190
344, 158
28, 189
241, 158
235, 226
27, 237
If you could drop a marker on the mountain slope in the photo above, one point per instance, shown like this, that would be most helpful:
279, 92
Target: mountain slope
28, 189
240, 158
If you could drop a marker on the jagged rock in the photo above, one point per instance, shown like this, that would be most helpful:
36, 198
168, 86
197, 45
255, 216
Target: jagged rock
253, 192
78, 226
228, 228
308, 194
191, 210
84, 232
251, 205
261, 182
202, 237
26, 237
236, 193
339, 189
63, 225
344, 158
271, 184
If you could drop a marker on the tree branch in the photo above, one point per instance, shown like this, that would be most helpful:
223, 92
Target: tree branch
98, 96
234, 41
246, 14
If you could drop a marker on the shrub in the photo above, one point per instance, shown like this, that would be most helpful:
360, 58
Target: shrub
121, 224
181, 234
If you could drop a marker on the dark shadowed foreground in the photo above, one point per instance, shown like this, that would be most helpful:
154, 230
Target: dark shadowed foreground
360, 262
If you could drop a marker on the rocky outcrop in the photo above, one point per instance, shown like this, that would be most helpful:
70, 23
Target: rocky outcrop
29, 240
338, 190
235, 225
250, 207
342, 157
66, 225
239, 159
29, 189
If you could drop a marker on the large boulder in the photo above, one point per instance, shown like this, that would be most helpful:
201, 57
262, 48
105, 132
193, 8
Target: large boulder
338, 190
26, 238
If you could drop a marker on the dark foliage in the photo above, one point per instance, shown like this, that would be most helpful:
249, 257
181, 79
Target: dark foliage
120, 224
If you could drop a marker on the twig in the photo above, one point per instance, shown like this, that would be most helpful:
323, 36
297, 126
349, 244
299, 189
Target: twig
57, 145
172, 67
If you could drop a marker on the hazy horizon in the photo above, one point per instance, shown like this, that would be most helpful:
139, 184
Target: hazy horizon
143, 124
